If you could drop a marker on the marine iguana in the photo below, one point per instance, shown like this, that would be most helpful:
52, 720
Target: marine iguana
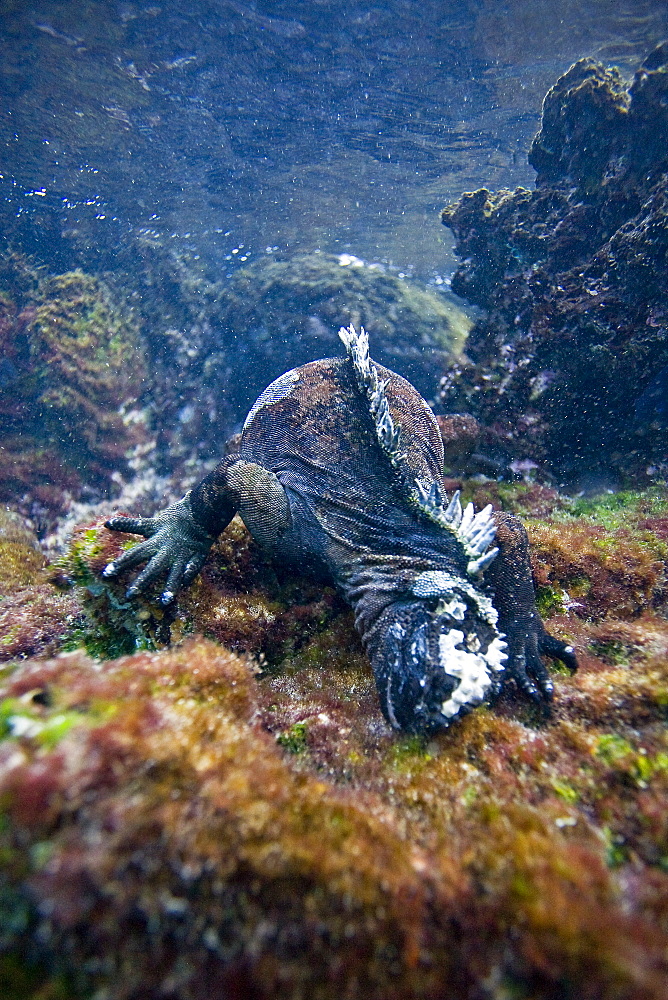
339, 470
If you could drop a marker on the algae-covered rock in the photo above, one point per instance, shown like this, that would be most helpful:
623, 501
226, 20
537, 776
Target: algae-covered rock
72, 373
226, 871
568, 365
21, 558
214, 346
174, 825
240, 599
188, 820
282, 313
87, 359
36, 617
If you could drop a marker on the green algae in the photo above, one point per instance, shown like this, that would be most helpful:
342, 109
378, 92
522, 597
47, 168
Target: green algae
613, 510
188, 729
18, 721
295, 739
25, 718
565, 791
111, 626
549, 601
636, 763
21, 560
613, 651
612, 562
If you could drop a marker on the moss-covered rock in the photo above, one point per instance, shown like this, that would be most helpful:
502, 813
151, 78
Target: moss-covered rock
87, 359
73, 372
568, 364
282, 313
239, 599
172, 824
21, 558
36, 617
187, 819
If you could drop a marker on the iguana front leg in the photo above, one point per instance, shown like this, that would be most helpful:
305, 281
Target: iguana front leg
175, 543
178, 538
261, 500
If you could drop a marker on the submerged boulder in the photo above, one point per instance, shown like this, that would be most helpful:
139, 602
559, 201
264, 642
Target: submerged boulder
71, 375
282, 313
568, 362
214, 346
36, 616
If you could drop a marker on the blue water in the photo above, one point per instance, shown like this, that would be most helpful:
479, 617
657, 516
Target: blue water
229, 130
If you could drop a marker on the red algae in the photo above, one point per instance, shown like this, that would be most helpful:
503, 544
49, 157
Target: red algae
222, 858
602, 572
37, 621
195, 821
35, 617
271, 837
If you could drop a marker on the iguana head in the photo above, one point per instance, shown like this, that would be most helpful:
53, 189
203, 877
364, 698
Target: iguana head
436, 653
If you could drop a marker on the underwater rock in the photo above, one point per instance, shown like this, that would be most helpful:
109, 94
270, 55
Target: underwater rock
72, 372
36, 617
240, 598
189, 820
173, 825
89, 366
566, 363
38, 620
461, 435
21, 559
214, 346
279, 314
210, 347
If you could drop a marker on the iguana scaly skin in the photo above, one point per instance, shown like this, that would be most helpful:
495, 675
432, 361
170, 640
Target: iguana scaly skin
339, 471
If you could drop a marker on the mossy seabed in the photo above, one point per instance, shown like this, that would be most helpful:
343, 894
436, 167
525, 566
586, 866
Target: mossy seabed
232, 815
